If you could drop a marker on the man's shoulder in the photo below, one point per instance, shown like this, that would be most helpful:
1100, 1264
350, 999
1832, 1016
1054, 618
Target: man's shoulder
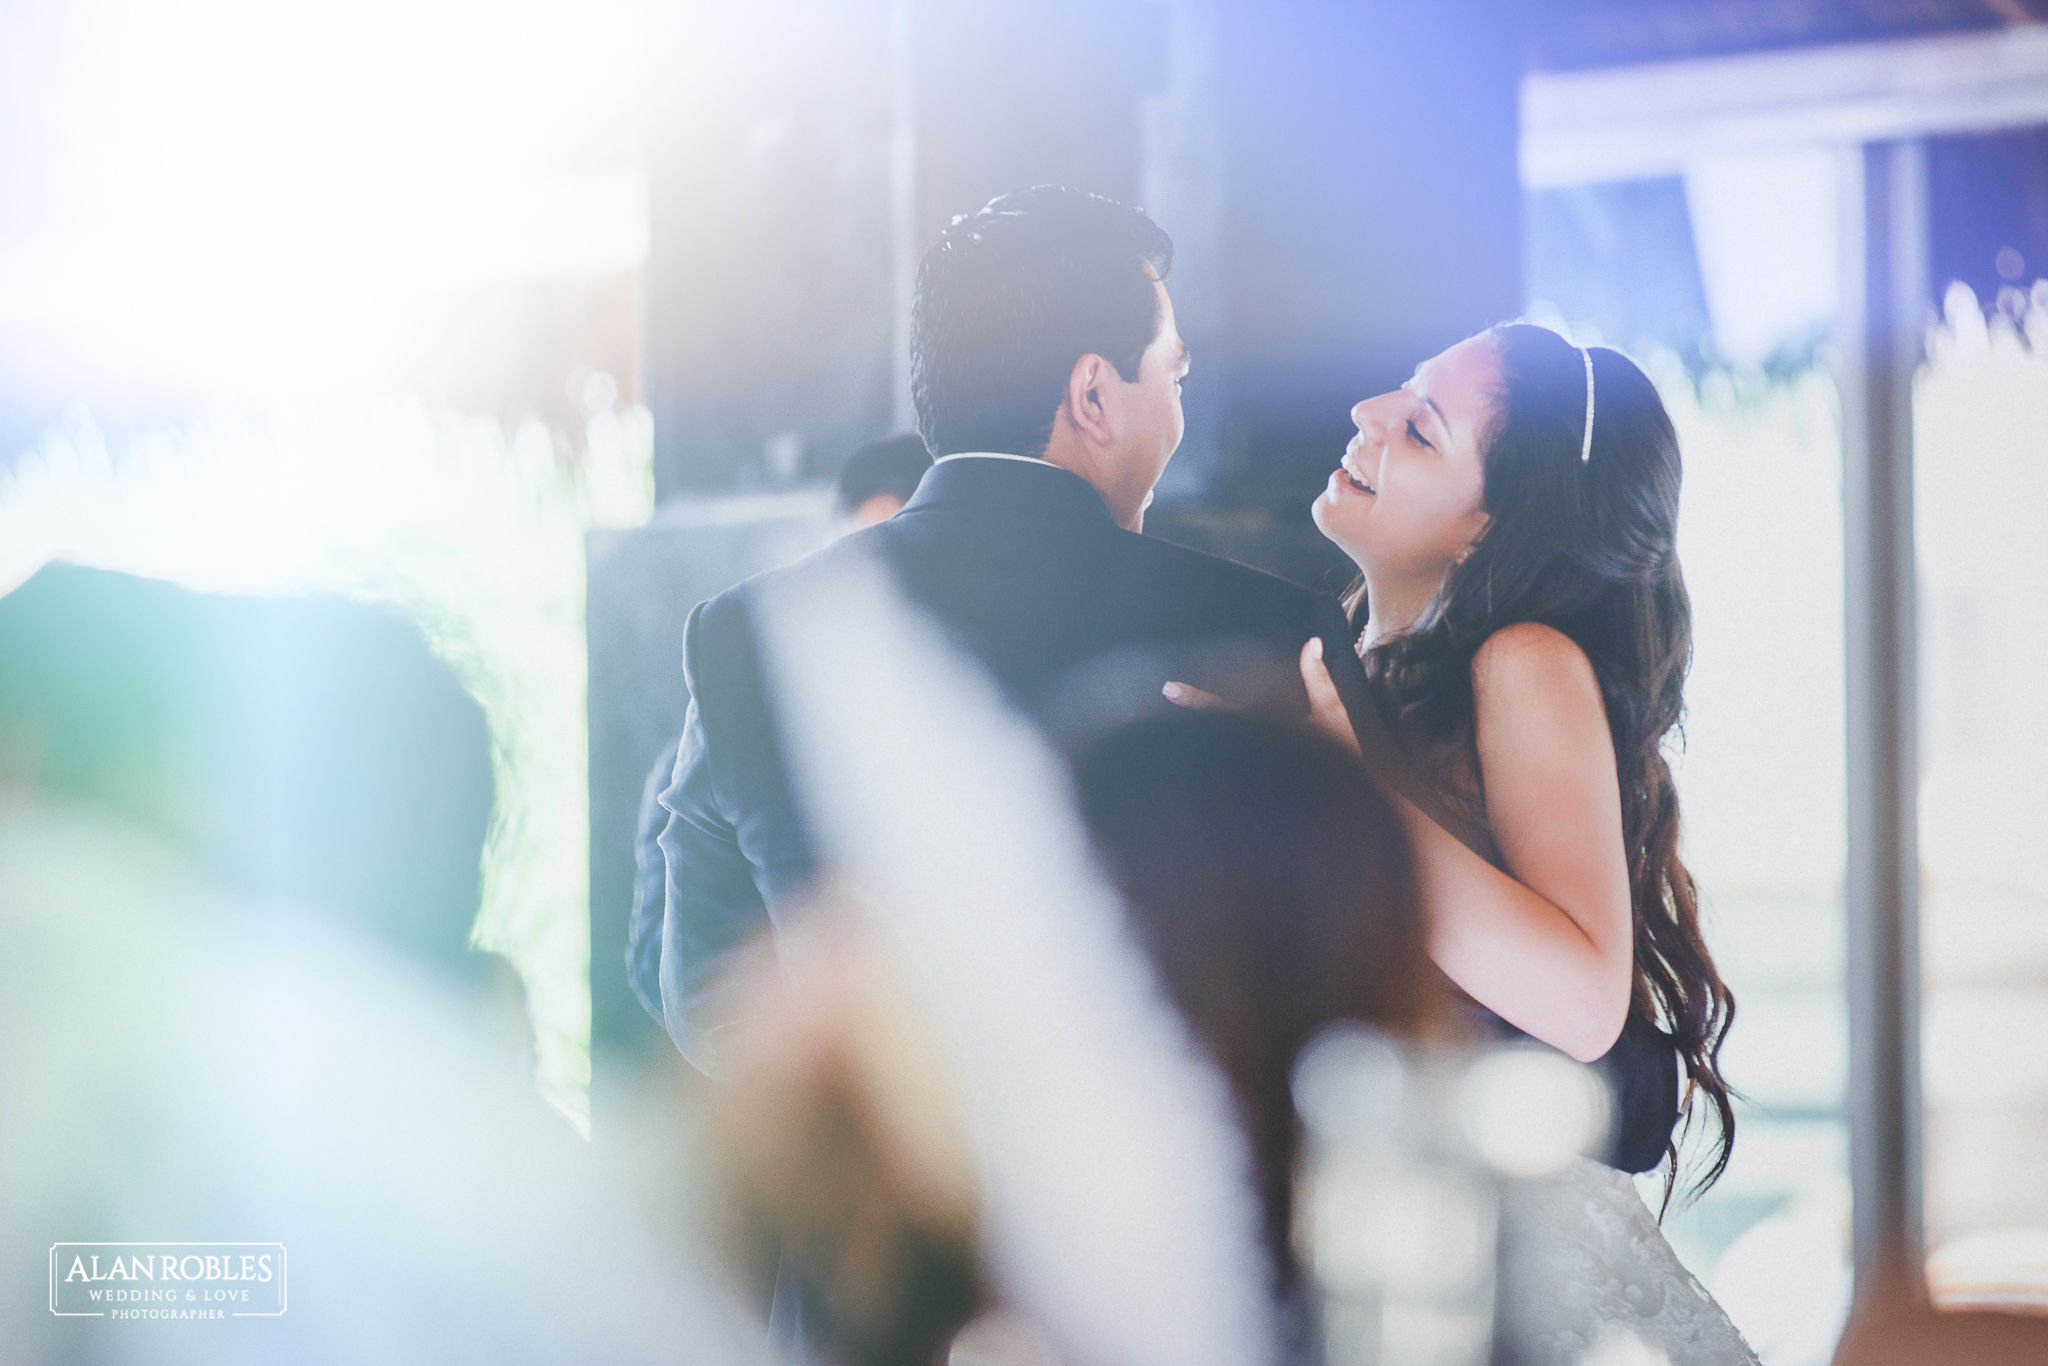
723, 617
1159, 586
1226, 586
1187, 563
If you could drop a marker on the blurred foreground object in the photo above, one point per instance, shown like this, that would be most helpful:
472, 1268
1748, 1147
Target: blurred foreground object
469, 530
1398, 1227
239, 849
841, 1153
1113, 1202
984, 985
177, 1067
311, 754
1272, 884
1450, 1217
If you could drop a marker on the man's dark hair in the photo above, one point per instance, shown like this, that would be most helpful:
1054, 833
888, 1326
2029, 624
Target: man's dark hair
894, 464
1010, 297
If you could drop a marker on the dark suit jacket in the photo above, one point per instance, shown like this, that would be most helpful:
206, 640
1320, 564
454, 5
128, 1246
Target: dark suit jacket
1077, 620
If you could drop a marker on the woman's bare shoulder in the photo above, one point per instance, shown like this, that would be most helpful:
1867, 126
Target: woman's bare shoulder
1531, 660
1530, 652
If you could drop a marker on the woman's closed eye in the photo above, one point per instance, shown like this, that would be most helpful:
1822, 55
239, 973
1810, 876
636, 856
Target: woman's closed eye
1415, 435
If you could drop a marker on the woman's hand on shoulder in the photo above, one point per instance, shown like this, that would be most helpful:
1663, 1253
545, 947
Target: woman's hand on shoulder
1553, 799
1325, 707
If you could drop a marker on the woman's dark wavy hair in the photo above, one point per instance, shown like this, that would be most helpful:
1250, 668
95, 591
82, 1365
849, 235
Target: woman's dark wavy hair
1588, 547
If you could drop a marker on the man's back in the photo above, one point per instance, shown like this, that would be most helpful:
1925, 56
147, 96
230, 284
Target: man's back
1021, 561
1078, 621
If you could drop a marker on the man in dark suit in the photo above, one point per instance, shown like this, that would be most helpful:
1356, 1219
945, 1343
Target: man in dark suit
1046, 373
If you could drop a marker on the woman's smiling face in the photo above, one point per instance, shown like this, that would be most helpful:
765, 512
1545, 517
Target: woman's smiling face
1410, 493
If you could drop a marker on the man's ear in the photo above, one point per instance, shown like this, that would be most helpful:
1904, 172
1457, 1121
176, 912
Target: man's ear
1084, 401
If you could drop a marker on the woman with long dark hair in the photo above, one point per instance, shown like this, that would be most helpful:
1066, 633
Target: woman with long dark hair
1513, 513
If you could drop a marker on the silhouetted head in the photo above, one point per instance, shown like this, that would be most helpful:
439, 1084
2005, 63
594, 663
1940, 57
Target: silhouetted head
1274, 887
304, 752
878, 479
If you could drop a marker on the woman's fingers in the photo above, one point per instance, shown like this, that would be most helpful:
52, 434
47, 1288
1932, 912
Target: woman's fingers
1192, 697
1325, 707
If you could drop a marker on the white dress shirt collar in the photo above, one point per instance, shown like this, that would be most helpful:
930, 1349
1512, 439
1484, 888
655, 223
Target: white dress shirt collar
991, 455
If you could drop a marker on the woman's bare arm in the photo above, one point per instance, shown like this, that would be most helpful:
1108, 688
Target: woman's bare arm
1550, 949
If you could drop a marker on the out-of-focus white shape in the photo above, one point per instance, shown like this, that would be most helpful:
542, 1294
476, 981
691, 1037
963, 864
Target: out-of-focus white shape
1980, 409
1409, 1234
1791, 1051
1786, 1282
2004, 1268
783, 455
1351, 1082
598, 393
1002, 1338
1626, 123
1765, 228
235, 193
1529, 1111
1117, 1201
1420, 1334
1983, 933
1399, 1228
1980, 412
178, 1066
1760, 536
1985, 1046
1619, 1347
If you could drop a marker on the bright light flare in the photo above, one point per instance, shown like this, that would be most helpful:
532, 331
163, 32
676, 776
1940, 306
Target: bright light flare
472, 533
236, 194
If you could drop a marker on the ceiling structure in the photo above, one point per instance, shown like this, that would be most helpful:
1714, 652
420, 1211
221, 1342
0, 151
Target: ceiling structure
1581, 34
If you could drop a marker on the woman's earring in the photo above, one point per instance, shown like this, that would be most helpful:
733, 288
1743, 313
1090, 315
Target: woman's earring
1463, 555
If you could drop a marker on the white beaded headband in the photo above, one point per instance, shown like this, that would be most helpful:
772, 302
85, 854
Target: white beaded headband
1586, 445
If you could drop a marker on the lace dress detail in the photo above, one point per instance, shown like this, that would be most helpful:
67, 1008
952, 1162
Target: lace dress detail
1586, 1274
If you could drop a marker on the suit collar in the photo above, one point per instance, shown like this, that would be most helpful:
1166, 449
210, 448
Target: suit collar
1011, 486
